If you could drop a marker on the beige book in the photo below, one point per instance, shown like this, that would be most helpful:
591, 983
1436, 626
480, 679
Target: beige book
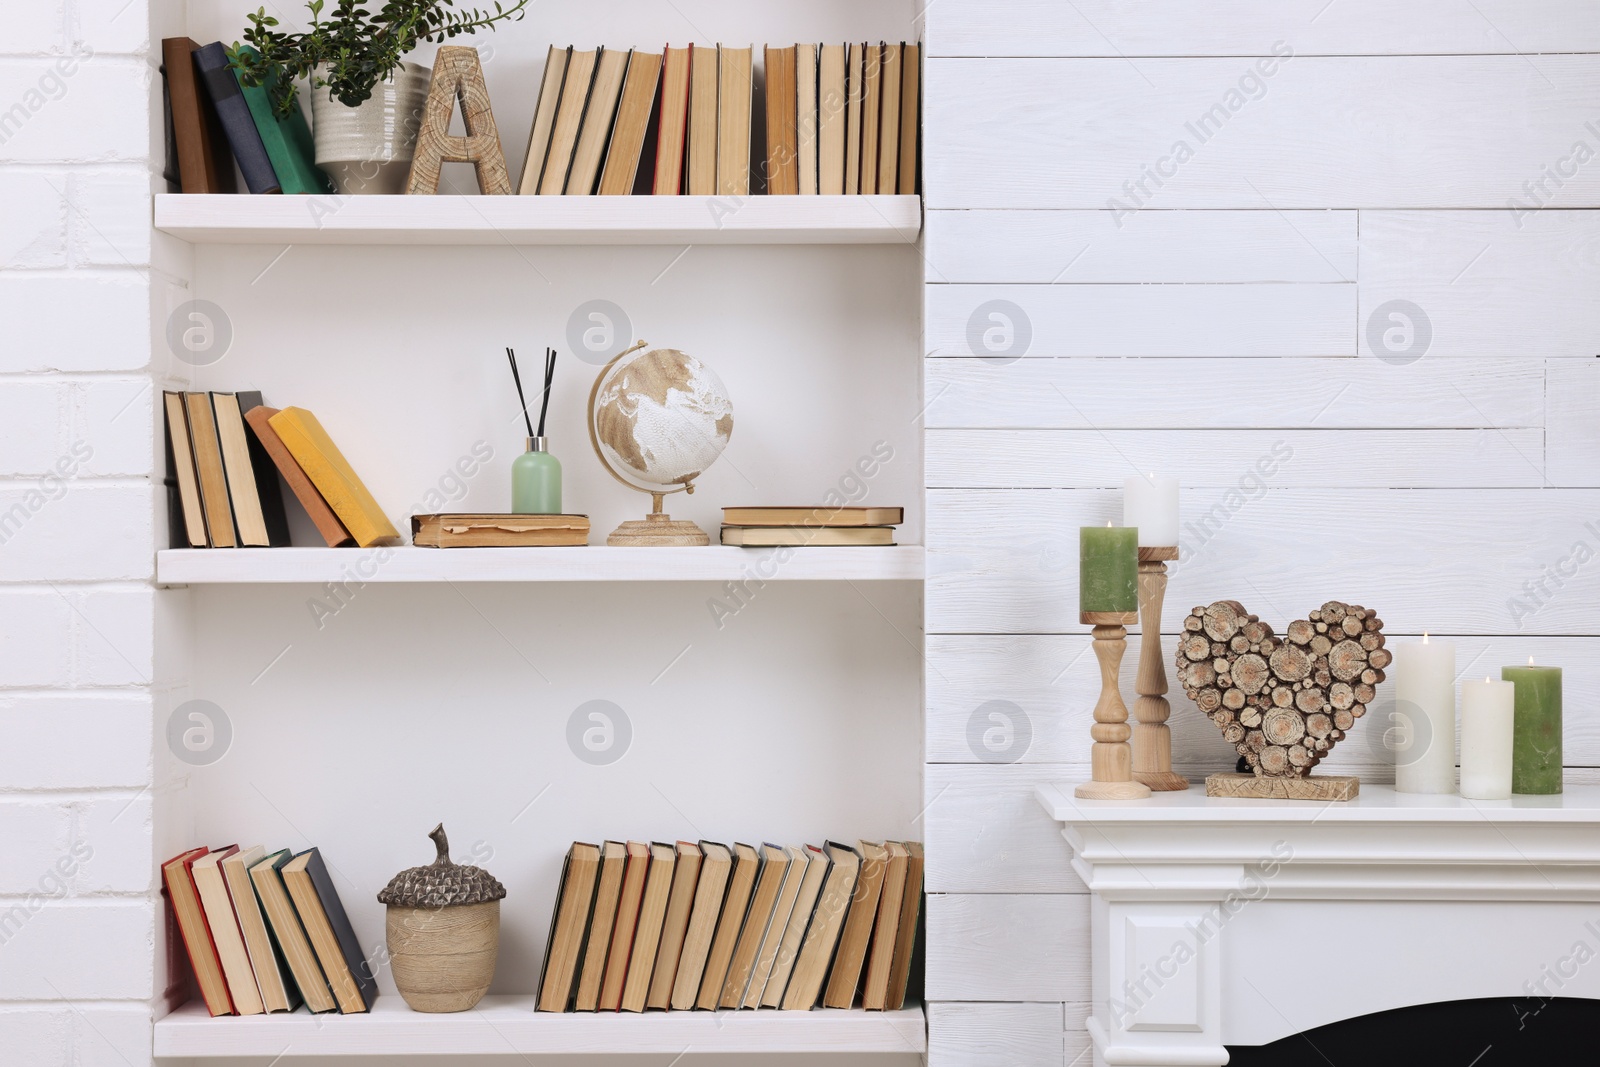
845, 975
253, 925
889, 121
297, 950
830, 120
613, 858
855, 90
574, 901
183, 469
816, 515
632, 123
703, 121
816, 536
633, 877
822, 936
673, 124
805, 906
647, 936
685, 876
544, 119
871, 105
716, 865
910, 117
208, 882
906, 938
805, 92
242, 492
885, 932
575, 85
767, 954
595, 132
208, 466
735, 96
763, 902
735, 906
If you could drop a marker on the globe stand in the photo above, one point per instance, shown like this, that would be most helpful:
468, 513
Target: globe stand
659, 529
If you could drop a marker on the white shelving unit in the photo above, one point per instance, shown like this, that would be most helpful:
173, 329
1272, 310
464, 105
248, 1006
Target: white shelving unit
508, 1025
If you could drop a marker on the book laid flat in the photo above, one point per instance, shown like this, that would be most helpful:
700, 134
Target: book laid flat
205, 164
574, 903
855, 90
191, 919
805, 90
208, 466
767, 954
622, 932
735, 97
328, 525
675, 927
830, 120
278, 992
885, 931
871, 104
672, 128
702, 172
287, 139
267, 876
575, 86
716, 865
188, 518
813, 516
647, 935
212, 886
241, 475
333, 476
608, 893
906, 936
598, 116
889, 120
846, 973
815, 864
783, 165
498, 530
338, 950
780, 536
757, 920
741, 885
822, 936
223, 91
632, 124
544, 119
910, 117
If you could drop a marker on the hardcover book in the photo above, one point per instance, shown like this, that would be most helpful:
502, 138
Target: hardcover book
290, 932
333, 476
196, 933
338, 950
223, 90
205, 164
287, 139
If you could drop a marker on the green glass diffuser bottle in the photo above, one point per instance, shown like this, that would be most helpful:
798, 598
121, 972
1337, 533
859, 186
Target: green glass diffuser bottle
536, 474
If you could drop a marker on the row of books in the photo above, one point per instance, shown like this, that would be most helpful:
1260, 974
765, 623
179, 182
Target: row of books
686, 926
810, 526
214, 120
222, 478
840, 119
266, 932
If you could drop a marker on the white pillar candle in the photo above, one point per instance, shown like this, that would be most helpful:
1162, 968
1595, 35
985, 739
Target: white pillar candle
1151, 503
1425, 705
1488, 711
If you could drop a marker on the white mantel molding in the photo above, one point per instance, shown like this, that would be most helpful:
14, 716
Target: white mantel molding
1221, 921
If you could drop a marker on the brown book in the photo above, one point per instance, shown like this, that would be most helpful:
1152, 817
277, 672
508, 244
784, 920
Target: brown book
613, 858
885, 932
597, 121
871, 106
767, 954
845, 974
822, 936
180, 462
685, 876
575, 85
906, 938
208, 465
735, 94
475, 530
702, 179
327, 523
205, 161
783, 164
910, 117
225, 932
673, 125
544, 119
763, 902
805, 123
855, 89
820, 515
716, 864
574, 901
830, 120
196, 933
267, 876
647, 936
889, 121
806, 536
815, 863
633, 877
633, 122
736, 905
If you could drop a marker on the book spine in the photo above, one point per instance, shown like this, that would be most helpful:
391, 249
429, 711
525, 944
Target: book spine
248, 150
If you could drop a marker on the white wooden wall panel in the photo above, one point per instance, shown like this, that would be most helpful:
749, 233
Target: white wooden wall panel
1572, 439
1248, 27
994, 946
985, 832
996, 1035
1337, 132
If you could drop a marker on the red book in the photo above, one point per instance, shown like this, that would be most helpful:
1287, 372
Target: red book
191, 917
673, 125
622, 932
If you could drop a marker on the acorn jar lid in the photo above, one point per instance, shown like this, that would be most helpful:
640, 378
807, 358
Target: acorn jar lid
441, 883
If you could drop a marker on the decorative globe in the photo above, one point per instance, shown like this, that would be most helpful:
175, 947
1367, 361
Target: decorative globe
662, 416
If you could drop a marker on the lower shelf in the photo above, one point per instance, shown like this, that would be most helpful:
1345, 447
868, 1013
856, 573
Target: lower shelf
509, 1025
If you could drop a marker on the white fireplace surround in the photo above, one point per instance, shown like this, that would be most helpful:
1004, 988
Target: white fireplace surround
1238, 922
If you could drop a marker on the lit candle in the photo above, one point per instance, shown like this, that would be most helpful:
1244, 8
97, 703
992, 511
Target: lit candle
1150, 505
1487, 715
1425, 696
1108, 568
1536, 748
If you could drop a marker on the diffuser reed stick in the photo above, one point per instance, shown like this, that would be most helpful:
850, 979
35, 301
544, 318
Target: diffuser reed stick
517, 377
549, 376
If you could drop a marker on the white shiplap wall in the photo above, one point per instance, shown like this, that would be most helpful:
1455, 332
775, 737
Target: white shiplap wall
1394, 152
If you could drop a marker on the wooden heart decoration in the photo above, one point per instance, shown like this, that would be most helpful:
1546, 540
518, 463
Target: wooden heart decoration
1283, 702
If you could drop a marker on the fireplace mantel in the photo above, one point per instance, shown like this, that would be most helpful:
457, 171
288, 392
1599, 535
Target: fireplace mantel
1238, 922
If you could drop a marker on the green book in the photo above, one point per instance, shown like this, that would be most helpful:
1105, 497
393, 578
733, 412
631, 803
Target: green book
288, 140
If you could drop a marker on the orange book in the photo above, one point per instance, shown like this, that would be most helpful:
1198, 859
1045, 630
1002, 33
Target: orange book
333, 476
328, 524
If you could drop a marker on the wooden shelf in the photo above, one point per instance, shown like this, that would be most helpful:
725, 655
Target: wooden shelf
539, 220
509, 1025
593, 563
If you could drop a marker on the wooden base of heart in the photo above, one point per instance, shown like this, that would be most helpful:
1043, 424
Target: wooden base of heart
1111, 759
658, 530
1253, 787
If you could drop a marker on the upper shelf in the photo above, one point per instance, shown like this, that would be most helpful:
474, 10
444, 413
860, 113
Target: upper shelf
539, 220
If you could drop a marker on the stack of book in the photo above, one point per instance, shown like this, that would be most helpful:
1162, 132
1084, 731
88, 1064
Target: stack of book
782, 527
685, 926
266, 932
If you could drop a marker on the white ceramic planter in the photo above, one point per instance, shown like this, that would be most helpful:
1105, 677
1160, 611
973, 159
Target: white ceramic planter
368, 149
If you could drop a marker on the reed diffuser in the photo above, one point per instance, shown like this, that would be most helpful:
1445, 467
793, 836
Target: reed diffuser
536, 474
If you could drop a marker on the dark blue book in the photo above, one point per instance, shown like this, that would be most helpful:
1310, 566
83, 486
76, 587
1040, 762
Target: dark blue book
223, 89
335, 941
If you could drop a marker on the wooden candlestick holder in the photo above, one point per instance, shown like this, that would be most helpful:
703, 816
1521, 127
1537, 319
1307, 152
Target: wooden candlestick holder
1111, 760
1152, 738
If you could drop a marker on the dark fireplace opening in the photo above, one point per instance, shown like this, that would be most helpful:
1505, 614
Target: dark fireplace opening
1462, 1033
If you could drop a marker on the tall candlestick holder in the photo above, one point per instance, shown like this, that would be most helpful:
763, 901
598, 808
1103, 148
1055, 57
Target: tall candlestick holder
1111, 759
1152, 738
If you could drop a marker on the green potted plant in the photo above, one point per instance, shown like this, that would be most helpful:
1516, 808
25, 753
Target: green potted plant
366, 100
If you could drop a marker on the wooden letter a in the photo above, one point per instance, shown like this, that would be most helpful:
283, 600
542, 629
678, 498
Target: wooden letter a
457, 75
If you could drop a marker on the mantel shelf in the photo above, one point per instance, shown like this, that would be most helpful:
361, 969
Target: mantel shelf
592, 563
508, 1025
539, 220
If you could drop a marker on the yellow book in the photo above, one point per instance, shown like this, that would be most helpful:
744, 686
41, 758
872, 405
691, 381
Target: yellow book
333, 476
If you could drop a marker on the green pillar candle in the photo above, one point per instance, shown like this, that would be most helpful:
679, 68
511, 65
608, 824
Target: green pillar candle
1536, 738
1108, 568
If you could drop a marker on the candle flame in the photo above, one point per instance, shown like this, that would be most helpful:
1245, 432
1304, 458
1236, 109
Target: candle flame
1108, 524
1486, 679
1424, 637
1530, 661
